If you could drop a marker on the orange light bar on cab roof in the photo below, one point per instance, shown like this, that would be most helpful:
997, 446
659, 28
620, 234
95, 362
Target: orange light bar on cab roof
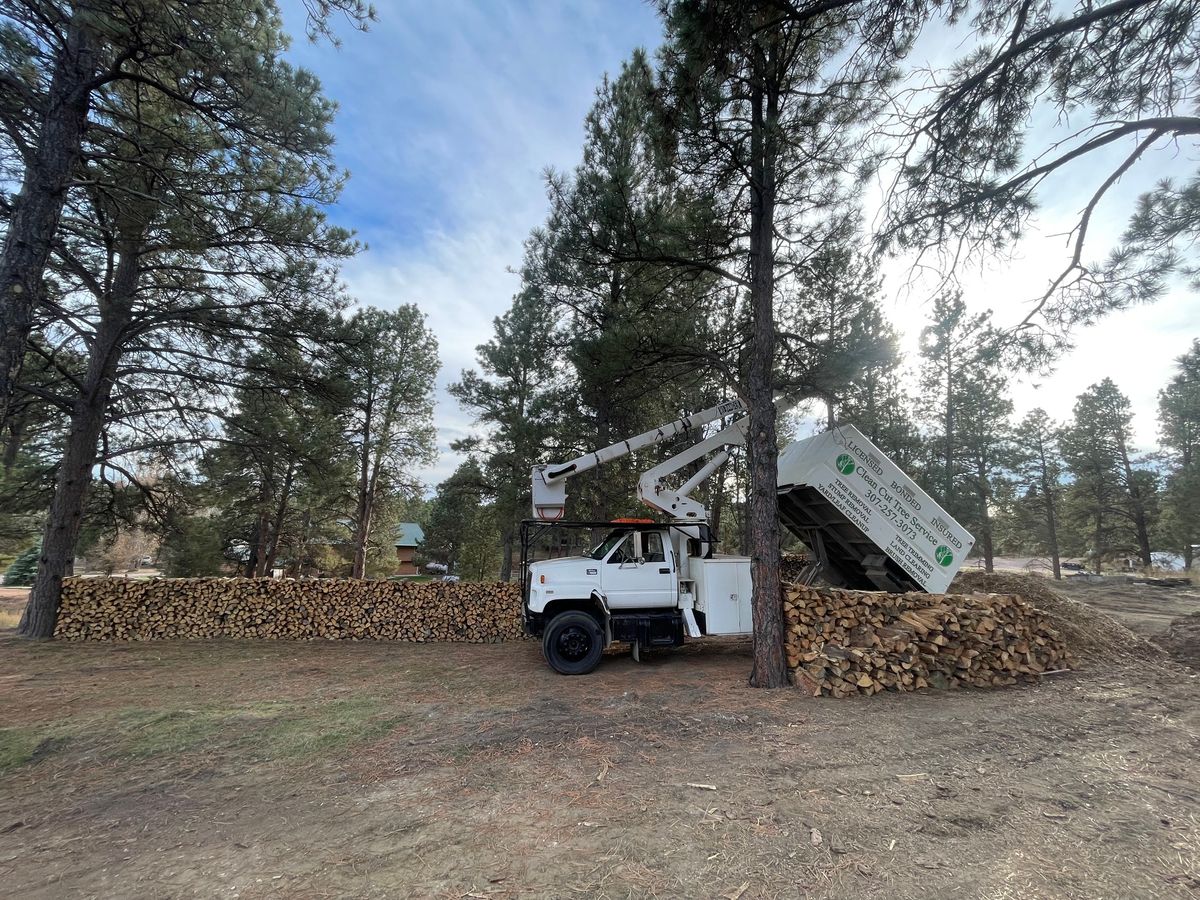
632, 521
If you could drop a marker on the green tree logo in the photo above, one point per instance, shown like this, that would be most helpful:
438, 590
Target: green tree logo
845, 464
944, 555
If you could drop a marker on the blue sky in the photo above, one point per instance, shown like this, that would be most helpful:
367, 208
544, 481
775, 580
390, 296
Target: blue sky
449, 115
450, 112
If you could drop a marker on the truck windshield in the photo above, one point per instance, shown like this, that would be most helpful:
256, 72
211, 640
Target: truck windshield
607, 544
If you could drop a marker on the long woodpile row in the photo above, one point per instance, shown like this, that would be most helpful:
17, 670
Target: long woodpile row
117, 609
846, 642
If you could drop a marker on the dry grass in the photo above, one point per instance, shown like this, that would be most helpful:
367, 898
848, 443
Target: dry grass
9, 619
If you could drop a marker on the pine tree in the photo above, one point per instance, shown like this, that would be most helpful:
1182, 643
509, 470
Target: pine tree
766, 123
185, 250
972, 155
515, 396
1179, 426
454, 516
1108, 489
630, 329
1038, 469
23, 568
837, 339
385, 369
280, 459
66, 68
955, 346
983, 439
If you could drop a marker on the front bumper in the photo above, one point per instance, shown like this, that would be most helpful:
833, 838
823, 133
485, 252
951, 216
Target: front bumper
535, 623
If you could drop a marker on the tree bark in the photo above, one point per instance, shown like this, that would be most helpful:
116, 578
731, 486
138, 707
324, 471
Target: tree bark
985, 538
718, 501
362, 526
302, 554
770, 664
1051, 523
272, 549
1138, 504
255, 549
74, 477
257, 557
38, 206
948, 486
362, 534
506, 557
12, 445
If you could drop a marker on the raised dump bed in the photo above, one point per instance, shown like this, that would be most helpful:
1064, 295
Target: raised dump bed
870, 525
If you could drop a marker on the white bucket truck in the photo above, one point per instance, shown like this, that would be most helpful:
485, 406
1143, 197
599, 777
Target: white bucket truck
651, 583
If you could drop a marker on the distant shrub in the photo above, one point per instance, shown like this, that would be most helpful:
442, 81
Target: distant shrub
23, 568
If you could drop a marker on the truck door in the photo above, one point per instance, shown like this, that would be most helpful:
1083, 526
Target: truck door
640, 573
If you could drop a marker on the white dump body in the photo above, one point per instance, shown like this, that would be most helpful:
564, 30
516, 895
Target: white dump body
841, 485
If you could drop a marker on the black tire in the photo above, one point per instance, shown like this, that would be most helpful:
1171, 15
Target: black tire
573, 643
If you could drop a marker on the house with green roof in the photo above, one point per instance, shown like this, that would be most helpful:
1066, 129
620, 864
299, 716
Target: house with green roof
409, 536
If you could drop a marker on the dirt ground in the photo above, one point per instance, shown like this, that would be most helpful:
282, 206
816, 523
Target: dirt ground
1146, 609
253, 769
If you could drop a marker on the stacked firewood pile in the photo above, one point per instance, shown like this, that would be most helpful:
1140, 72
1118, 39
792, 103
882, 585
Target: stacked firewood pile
792, 567
117, 609
849, 642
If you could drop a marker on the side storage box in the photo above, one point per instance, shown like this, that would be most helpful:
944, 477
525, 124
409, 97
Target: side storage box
723, 593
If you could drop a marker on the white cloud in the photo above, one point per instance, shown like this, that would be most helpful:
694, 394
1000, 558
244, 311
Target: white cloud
449, 116
460, 283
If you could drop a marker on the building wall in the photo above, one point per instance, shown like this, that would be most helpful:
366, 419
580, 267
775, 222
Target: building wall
404, 560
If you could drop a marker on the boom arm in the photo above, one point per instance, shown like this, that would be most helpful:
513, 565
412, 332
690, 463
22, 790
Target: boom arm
549, 481
655, 493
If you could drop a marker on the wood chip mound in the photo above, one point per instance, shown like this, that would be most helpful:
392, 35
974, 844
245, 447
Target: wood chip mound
105, 609
1094, 637
862, 642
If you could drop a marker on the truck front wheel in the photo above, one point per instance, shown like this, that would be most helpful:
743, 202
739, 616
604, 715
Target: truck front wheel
573, 643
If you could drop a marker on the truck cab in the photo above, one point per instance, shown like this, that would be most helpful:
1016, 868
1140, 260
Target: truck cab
644, 584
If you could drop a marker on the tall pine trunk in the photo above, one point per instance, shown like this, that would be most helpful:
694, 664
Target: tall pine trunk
65, 517
986, 540
770, 665
1138, 508
506, 557
250, 569
1051, 519
362, 533
37, 208
277, 522
362, 519
12, 444
257, 557
948, 423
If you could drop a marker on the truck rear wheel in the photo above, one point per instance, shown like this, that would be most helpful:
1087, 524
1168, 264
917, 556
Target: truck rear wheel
573, 643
